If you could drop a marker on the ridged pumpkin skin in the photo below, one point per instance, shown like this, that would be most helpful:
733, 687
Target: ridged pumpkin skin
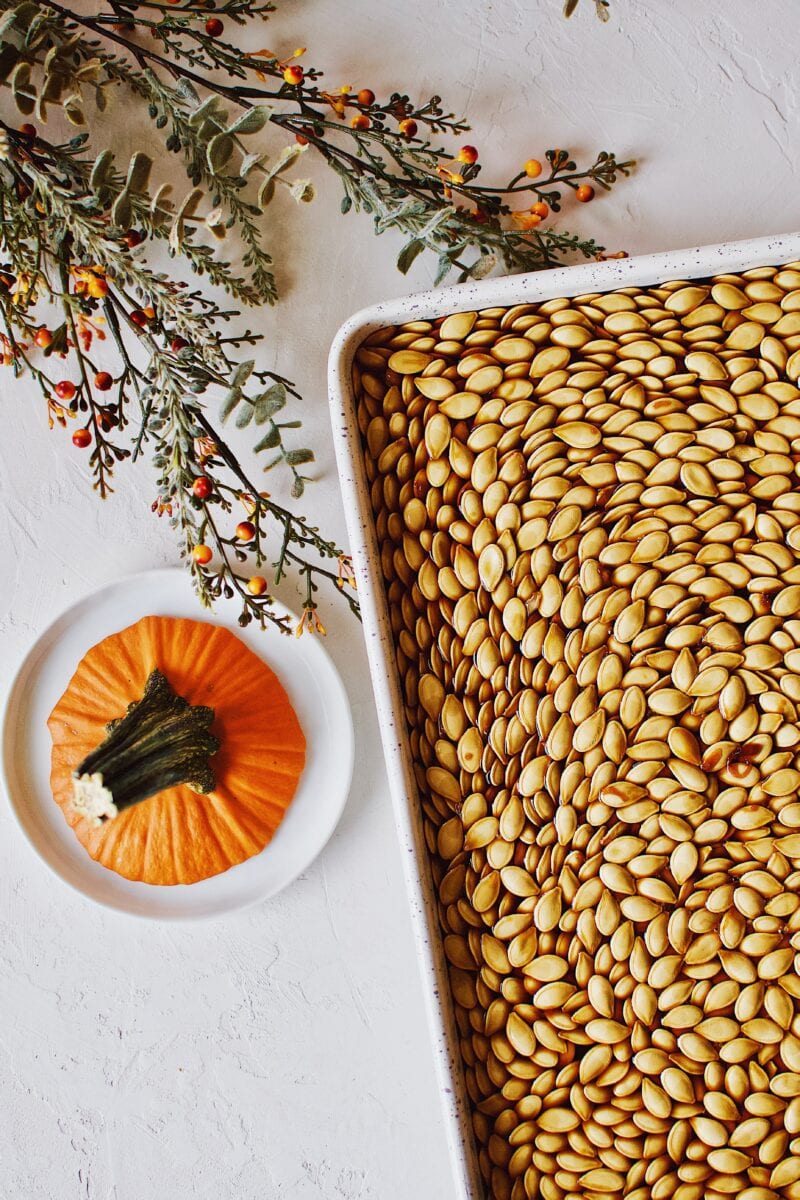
179, 836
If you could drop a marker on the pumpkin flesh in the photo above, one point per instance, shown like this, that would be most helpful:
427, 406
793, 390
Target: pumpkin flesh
177, 835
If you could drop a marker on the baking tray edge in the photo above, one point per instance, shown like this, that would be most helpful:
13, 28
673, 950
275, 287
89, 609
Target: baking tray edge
534, 287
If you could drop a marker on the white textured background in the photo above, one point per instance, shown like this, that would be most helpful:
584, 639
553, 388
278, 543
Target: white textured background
283, 1053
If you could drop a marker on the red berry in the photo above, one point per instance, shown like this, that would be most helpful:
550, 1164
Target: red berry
301, 141
133, 238
293, 75
468, 154
44, 337
366, 97
103, 381
81, 438
245, 531
202, 553
177, 344
28, 130
214, 27
65, 390
202, 487
137, 317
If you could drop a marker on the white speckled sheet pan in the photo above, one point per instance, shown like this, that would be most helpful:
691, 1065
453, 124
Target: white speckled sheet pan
646, 270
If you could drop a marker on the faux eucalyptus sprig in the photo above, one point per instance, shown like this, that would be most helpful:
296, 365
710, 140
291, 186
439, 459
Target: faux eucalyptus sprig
77, 226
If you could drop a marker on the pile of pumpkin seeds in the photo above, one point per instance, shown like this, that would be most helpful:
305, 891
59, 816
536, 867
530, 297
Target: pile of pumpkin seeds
588, 513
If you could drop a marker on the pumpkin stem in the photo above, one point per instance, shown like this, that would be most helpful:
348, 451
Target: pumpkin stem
162, 741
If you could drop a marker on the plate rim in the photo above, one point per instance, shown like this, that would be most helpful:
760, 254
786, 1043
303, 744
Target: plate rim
26, 662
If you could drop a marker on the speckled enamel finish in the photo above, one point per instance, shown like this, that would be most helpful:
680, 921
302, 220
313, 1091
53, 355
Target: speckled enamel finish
569, 281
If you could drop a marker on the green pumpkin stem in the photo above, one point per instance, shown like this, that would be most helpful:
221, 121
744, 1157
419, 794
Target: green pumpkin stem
161, 742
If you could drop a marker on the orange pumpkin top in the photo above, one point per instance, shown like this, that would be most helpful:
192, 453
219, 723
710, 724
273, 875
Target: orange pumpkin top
179, 835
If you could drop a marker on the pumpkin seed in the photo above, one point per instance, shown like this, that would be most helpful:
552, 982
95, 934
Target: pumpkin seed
589, 520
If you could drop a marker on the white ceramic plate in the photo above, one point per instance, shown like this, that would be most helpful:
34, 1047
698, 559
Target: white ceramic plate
314, 687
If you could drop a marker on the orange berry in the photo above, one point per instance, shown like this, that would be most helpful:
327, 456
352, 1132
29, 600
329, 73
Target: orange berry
28, 130
149, 313
532, 168
526, 220
467, 154
81, 438
245, 531
202, 554
65, 389
366, 97
584, 193
408, 128
540, 209
361, 121
103, 381
257, 585
44, 337
293, 75
202, 487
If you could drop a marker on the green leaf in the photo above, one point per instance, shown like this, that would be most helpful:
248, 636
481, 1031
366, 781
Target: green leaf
245, 415
346, 204
7, 21
122, 211
243, 373
218, 151
251, 121
270, 402
138, 173
407, 255
229, 403
186, 90
302, 191
485, 264
21, 16
266, 192
8, 59
298, 487
20, 82
269, 441
287, 156
73, 111
442, 270
212, 107
296, 458
249, 162
101, 171
160, 202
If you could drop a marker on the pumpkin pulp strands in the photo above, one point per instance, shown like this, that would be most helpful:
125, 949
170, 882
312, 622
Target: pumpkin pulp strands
162, 741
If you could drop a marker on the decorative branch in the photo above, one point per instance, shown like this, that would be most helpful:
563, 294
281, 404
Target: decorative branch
76, 225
